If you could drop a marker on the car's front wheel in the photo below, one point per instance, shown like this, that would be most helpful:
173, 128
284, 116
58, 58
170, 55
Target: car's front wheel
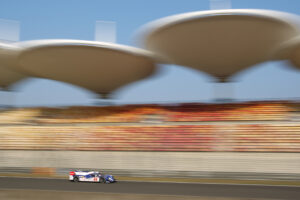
75, 179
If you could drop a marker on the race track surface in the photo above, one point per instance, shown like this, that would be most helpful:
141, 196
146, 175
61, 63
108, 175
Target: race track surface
191, 189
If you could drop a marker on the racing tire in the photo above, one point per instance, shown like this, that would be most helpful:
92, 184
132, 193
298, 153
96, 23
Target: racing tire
102, 180
75, 179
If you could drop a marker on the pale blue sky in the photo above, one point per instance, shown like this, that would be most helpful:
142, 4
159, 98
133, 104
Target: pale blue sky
75, 19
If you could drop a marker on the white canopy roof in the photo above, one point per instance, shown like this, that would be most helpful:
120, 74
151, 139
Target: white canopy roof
8, 61
97, 66
219, 42
291, 50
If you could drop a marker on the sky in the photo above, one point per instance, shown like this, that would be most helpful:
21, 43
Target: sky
75, 19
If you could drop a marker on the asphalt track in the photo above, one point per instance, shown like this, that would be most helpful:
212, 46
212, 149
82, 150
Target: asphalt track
191, 189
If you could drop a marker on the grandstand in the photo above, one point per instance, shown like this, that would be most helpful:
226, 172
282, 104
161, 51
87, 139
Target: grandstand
188, 112
237, 127
259, 126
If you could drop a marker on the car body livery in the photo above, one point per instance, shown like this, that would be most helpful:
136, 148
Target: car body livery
90, 176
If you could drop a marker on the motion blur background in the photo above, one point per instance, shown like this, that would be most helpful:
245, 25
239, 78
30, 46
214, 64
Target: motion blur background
179, 123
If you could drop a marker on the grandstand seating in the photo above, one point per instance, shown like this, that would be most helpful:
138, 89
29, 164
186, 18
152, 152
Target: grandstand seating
19, 116
88, 115
258, 127
242, 138
229, 112
251, 111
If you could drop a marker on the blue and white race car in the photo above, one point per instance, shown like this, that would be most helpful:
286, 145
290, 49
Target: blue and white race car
90, 176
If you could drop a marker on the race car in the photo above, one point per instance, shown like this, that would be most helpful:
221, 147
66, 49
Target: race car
90, 176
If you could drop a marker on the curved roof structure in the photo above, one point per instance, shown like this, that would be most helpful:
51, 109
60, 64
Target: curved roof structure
8, 75
291, 50
97, 66
219, 42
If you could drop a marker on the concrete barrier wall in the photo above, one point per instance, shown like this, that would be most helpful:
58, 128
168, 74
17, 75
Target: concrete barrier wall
155, 161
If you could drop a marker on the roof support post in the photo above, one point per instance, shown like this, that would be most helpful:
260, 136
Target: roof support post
223, 91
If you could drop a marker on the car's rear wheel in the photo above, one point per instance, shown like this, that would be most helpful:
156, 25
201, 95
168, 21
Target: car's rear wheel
75, 179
